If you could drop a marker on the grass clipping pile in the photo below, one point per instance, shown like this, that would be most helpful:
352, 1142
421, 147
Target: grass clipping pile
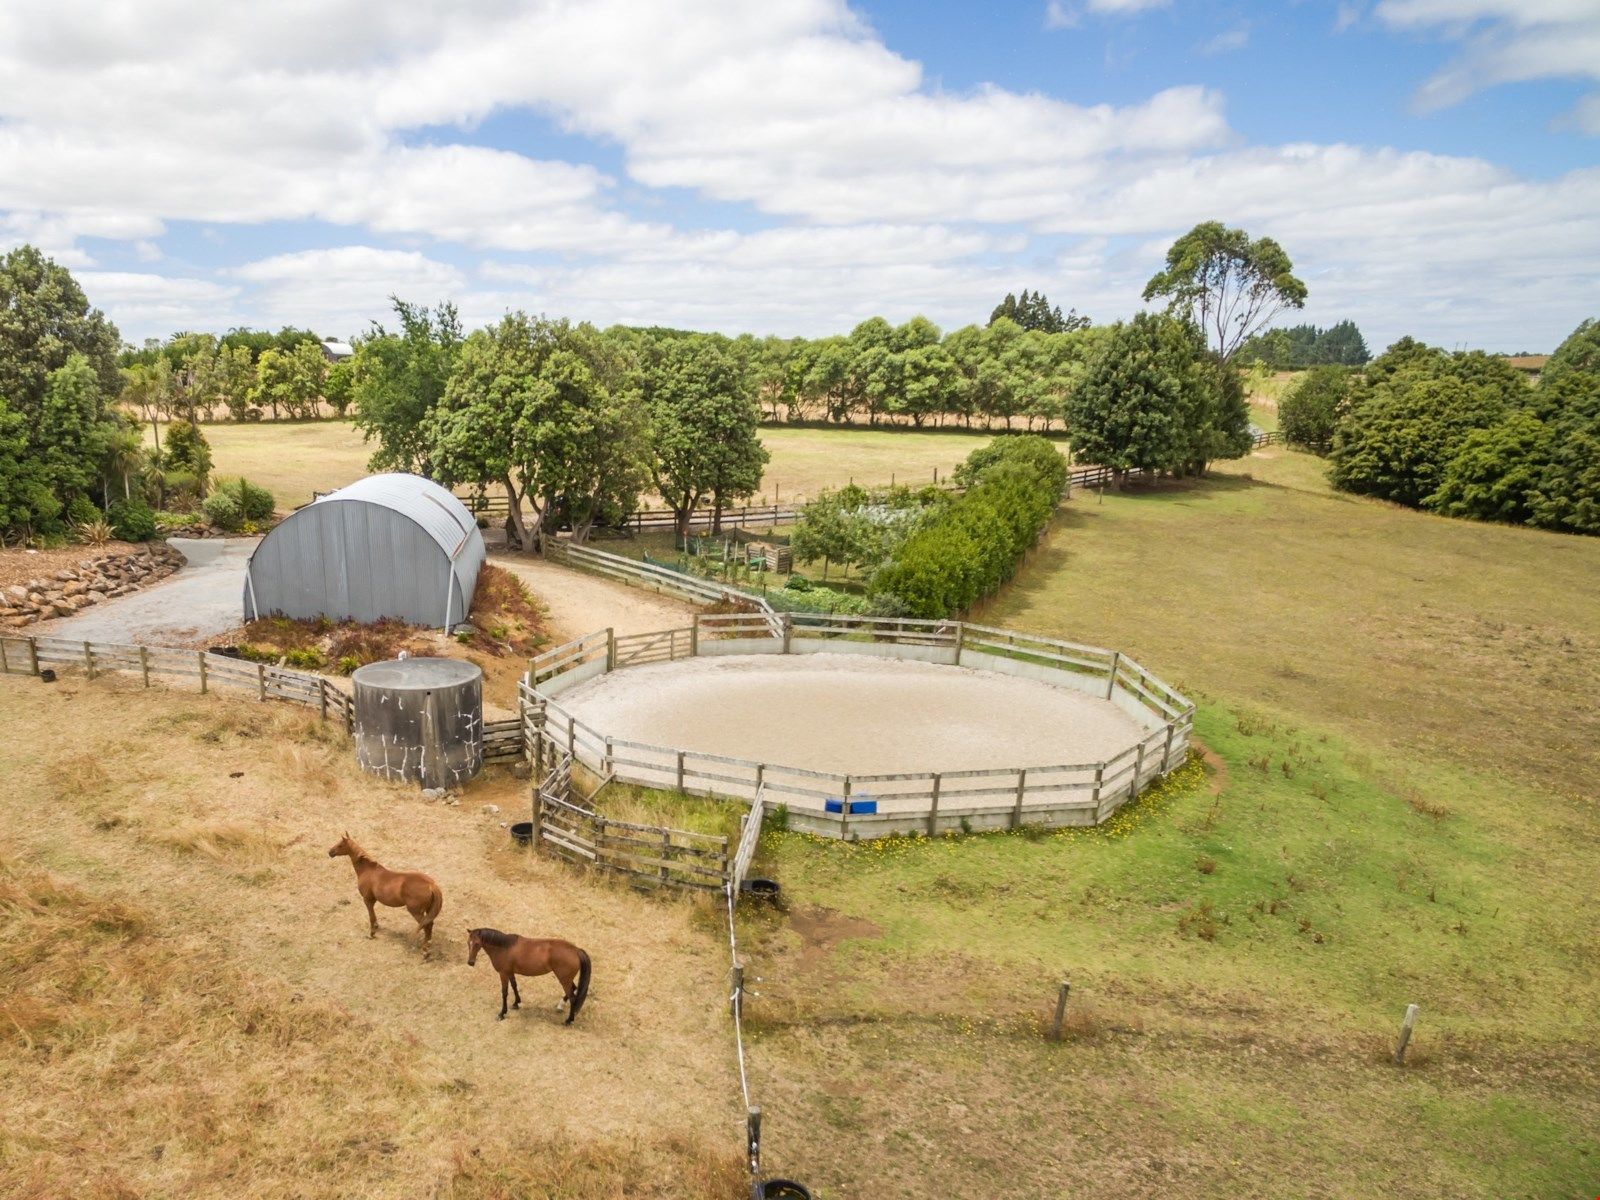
191, 1005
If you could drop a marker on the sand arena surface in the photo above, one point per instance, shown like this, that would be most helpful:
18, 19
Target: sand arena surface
847, 713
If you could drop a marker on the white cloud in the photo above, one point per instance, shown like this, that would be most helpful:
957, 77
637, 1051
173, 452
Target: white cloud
146, 304
880, 190
1227, 41
1506, 41
343, 288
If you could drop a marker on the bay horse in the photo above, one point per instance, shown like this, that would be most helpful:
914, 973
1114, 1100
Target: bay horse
417, 893
513, 955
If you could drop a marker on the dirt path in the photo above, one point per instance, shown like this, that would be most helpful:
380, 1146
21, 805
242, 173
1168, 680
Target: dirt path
202, 600
581, 603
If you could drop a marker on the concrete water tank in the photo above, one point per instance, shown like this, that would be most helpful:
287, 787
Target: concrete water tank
420, 718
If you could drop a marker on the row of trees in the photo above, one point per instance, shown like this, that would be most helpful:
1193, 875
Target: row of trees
1464, 434
1298, 347
247, 374
572, 422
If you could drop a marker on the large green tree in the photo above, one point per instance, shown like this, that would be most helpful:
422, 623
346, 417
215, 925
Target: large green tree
1229, 286
1411, 416
58, 379
1312, 405
398, 378
704, 425
1580, 352
549, 414
1128, 411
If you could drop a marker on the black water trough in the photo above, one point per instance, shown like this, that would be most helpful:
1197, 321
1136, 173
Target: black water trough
760, 889
783, 1189
522, 832
47, 676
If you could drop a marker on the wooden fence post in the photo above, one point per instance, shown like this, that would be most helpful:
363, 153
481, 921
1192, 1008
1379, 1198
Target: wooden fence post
1094, 798
144, 664
933, 809
88, 658
680, 770
611, 649
5, 667
961, 640
1405, 1035
694, 635
666, 847
1111, 680
1138, 766
788, 630
1166, 751
1022, 787
33, 654
261, 680
752, 1126
844, 812
605, 763
1061, 1011
761, 774
322, 698
200, 657
538, 816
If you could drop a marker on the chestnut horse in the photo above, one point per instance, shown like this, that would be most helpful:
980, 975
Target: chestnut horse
412, 890
513, 955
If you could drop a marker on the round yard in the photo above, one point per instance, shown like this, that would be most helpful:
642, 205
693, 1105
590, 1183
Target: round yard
852, 714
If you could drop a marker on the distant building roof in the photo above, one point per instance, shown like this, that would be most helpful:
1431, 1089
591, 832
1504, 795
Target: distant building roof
337, 350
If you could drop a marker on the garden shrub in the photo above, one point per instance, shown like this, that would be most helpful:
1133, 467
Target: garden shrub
222, 510
131, 520
255, 503
82, 511
181, 490
798, 583
187, 450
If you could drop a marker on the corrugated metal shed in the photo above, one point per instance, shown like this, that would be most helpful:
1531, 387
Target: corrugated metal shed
386, 546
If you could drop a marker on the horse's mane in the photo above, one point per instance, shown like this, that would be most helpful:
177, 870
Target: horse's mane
493, 937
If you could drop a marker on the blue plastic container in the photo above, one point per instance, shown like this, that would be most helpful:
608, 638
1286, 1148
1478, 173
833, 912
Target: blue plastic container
861, 808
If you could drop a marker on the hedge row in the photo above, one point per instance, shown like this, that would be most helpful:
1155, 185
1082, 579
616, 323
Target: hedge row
970, 544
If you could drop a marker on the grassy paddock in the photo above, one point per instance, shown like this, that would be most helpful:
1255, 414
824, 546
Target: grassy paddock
191, 1005
1396, 810
295, 458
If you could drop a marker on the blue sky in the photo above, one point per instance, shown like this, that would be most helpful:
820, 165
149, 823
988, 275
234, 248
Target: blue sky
793, 167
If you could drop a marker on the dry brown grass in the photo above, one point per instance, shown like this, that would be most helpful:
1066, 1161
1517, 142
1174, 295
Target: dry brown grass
507, 616
192, 1007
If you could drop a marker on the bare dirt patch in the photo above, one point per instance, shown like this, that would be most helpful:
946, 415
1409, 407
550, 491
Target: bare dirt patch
578, 603
821, 929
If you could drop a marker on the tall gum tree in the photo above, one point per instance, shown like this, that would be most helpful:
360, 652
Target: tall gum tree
1229, 286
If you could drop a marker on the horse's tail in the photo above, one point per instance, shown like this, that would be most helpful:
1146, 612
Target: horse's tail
435, 905
583, 985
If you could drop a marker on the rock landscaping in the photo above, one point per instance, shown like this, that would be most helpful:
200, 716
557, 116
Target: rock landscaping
76, 588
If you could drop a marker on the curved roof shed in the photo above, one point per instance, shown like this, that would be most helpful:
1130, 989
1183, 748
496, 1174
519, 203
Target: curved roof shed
386, 546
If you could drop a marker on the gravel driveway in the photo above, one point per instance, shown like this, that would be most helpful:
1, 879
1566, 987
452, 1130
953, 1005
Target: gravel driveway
203, 599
